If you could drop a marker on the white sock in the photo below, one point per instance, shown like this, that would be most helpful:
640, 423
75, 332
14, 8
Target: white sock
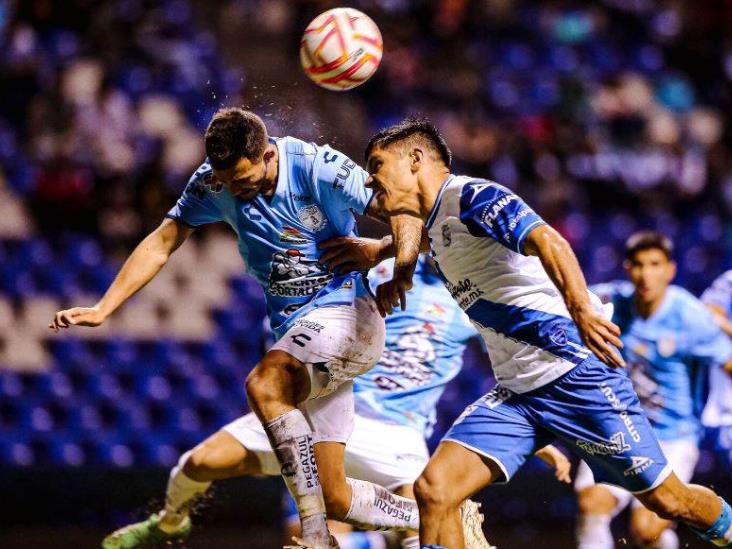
375, 508
361, 540
180, 495
593, 532
410, 543
292, 440
667, 540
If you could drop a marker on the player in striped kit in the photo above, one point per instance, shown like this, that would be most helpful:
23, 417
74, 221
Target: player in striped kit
550, 346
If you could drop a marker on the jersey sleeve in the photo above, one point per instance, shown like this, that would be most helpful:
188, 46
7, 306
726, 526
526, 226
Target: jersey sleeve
340, 181
709, 344
196, 205
720, 292
493, 211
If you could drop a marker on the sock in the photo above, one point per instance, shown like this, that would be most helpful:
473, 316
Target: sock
375, 508
361, 540
593, 532
667, 540
410, 543
180, 495
433, 547
292, 440
720, 533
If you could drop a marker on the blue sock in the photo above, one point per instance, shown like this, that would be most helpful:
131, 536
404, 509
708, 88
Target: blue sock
433, 547
720, 533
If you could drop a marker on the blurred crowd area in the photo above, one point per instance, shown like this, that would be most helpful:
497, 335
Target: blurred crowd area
606, 116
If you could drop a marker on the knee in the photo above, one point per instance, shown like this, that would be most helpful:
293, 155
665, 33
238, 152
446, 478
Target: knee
665, 504
596, 500
268, 380
337, 504
203, 463
644, 536
431, 494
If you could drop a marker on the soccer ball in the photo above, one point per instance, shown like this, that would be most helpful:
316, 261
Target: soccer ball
340, 49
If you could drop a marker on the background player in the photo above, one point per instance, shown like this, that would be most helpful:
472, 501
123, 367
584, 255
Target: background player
718, 412
670, 343
519, 280
327, 326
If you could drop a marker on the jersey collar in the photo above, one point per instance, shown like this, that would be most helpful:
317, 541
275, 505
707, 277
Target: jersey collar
438, 200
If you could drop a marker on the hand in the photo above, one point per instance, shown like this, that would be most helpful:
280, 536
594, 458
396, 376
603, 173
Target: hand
600, 335
78, 316
393, 293
728, 368
350, 253
558, 461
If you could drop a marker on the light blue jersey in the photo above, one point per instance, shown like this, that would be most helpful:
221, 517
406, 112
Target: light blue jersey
423, 352
668, 355
318, 190
718, 412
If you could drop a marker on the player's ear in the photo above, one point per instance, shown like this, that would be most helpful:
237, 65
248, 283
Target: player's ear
415, 159
672, 270
627, 265
268, 154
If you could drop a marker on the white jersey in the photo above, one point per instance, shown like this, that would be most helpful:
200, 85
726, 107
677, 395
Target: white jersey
477, 230
718, 411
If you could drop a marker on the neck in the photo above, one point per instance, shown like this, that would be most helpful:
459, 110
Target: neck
271, 172
429, 187
647, 308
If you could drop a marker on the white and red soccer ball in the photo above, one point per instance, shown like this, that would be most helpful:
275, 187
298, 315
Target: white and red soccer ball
341, 49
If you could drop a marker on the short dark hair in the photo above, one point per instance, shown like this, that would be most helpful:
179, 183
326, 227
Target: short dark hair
420, 129
648, 240
232, 134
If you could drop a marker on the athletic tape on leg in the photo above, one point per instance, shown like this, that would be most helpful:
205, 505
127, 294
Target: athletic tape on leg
375, 508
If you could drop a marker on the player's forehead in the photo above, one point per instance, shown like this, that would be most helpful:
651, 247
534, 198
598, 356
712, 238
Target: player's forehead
381, 153
240, 170
650, 255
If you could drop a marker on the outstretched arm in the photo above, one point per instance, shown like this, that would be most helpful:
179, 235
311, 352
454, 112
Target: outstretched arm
560, 263
140, 268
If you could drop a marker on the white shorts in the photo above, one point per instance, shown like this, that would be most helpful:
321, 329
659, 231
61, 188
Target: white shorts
682, 455
336, 344
385, 454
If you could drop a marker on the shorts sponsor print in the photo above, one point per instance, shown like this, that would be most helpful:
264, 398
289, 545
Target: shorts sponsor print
592, 409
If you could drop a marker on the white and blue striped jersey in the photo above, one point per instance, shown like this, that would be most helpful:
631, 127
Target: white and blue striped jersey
477, 230
318, 190
669, 355
423, 351
718, 411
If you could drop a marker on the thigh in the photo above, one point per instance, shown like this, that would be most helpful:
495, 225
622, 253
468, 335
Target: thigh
248, 434
497, 428
386, 454
331, 416
584, 479
596, 412
336, 343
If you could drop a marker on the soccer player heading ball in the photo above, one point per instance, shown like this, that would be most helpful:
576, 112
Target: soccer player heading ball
550, 345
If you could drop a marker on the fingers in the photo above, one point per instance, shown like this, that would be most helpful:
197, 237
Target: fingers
605, 353
333, 254
562, 473
402, 298
613, 332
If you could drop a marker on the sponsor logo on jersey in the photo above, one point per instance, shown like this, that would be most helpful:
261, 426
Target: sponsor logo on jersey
616, 445
622, 410
497, 396
464, 292
292, 235
446, 235
639, 465
309, 324
312, 217
557, 335
343, 173
492, 209
294, 275
410, 359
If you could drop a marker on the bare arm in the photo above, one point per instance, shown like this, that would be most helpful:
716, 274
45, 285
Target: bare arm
140, 268
560, 263
557, 461
355, 253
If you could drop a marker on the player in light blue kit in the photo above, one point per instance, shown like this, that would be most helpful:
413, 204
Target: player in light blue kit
717, 414
671, 344
519, 282
282, 197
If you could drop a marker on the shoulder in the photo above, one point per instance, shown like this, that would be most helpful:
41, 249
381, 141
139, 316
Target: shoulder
202, 181
689, 307
723, 281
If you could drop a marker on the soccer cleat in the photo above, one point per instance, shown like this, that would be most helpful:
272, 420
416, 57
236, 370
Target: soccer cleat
472, 520
145, 534
303, 545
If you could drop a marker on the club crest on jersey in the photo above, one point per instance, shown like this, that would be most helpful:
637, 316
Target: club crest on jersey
294, 275
666, 346
312, 217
